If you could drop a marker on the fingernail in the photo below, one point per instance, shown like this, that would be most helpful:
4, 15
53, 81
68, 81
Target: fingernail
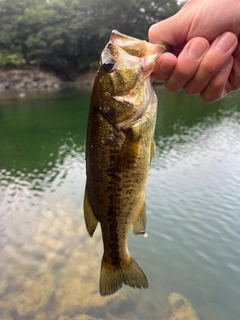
225, 42
237, 51
227, 63
166, 66
224, 93
197, 48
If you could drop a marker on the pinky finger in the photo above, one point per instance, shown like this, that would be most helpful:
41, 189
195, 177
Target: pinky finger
234, 78
216, 88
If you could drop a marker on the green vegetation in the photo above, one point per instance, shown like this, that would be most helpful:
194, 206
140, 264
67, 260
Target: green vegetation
67, 36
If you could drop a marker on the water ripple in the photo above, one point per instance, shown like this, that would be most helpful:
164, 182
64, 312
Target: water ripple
192, 199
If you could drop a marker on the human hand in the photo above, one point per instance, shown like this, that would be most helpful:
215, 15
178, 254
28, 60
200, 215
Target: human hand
206, 55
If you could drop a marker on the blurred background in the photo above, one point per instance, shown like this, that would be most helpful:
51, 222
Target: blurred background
67, 36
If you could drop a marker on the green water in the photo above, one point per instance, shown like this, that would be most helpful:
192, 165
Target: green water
49, 267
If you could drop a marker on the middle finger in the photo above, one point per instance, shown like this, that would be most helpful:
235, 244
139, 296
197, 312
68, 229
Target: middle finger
212, 62
187, 64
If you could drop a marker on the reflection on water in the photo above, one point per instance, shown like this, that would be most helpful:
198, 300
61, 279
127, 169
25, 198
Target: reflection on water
49, 267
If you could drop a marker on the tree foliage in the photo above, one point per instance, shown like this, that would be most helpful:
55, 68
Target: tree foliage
70, 34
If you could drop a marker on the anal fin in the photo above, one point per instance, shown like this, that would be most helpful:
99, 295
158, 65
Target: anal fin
90, 220
139, 226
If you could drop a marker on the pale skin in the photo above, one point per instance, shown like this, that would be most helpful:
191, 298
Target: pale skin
205, 55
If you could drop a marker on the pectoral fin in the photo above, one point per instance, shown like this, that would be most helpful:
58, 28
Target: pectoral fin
129, 151
152, 152
139, 226
90, 220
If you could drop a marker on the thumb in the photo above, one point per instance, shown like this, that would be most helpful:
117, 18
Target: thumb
171, 31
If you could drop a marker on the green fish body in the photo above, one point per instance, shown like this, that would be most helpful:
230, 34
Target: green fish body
119, 150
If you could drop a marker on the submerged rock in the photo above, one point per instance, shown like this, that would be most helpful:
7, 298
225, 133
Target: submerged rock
7, 318
73, 293
36, 296
211, 311
7, 302
180, 308
41, 316
84, 317
79, 317
3, 286
68, 286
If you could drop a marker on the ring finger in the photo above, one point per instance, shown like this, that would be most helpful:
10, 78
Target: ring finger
213, 62
216, 88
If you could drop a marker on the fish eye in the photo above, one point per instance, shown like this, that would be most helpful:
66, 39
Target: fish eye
109, 65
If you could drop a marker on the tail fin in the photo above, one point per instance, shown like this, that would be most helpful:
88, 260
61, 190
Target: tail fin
111, 280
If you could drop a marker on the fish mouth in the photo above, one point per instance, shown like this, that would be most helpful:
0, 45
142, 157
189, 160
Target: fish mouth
148, 53
154, 51
134, 46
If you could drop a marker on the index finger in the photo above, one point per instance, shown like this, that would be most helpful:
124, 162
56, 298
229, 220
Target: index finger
164, 67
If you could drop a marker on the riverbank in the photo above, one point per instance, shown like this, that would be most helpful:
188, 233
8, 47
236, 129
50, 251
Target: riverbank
33, 78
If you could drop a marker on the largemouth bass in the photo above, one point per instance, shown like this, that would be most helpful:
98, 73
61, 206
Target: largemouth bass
119, 149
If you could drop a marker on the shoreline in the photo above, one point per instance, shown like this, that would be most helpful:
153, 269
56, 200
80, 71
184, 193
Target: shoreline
32, 78
30, 81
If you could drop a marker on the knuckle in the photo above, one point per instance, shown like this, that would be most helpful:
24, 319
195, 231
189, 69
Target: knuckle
218, 82
234, 82
216, 87
172, 90
172, 87
191, 90
208, 96
210, 69
187, 70
187, 73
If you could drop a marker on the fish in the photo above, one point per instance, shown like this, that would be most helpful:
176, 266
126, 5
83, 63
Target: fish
119, 149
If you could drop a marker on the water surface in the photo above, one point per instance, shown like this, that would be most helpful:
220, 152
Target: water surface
49, 267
